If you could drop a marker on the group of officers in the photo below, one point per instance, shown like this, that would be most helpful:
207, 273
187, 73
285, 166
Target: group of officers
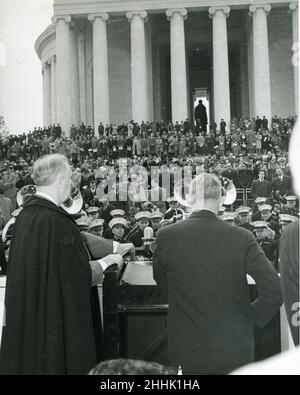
119, 229
266, 220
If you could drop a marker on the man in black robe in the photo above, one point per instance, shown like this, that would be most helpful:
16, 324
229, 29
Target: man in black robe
51, 323
201, 115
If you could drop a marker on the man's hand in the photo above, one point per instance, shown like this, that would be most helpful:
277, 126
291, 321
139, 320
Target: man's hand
113, 259
124, 249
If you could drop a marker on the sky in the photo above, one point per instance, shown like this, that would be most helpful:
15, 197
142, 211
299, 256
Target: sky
21, 93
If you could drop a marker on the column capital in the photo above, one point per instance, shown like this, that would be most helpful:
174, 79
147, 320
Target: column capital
213, 10
103, 15
253, 7
293, 6
131, 14
66, 18
181, 11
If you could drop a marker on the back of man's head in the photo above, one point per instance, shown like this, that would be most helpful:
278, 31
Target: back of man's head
47, 168
205, 189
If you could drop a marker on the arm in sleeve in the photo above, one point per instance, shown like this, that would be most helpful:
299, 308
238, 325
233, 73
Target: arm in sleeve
98, 246
267, 282
159, 268
97, 272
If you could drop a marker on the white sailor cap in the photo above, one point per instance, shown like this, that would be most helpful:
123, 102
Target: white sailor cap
156, 215
117, 213
229, 217
142, 215
286, 218
265, 207
92, 210
291, 198
243, 210
260, 225
172, 199
117, 221
97, 223
83, 221
260, 200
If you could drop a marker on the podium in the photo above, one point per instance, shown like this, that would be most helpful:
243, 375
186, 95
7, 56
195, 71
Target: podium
135, 315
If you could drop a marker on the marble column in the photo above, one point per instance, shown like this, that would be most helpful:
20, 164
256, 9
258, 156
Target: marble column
89, 91
75, 104
139, 89
63, 72
53, 89
261, 62
221, 83
178, 64
149, 63
82, 84
100, 65
295, 15
47, 93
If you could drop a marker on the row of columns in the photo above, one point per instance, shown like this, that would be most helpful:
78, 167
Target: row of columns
66, 104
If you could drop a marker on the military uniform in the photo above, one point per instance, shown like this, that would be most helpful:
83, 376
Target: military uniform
270, 248
136, 237
242, 211
268, 244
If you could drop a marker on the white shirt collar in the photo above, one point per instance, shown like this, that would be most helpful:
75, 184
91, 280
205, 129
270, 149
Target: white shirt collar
45, 196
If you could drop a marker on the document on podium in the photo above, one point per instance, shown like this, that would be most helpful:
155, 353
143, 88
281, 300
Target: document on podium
138, 274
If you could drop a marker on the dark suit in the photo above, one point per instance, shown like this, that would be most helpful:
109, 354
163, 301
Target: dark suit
210, 319
261, 188
105, 213
90, 197
284, 187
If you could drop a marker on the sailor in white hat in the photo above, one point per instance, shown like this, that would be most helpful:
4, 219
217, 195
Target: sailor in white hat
118, 226
142, 222
286, 219
174, 212
268, 216
92, 213
156, 218
265, 236
229, 217
258, 202
97, 227
243, 218
83, 223
117, 213
291, 206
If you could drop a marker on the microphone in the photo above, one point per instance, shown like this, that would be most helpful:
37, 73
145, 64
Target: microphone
148, 236
148, 240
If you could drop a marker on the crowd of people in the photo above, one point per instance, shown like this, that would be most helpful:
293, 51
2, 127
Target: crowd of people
134, 181
249, 152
